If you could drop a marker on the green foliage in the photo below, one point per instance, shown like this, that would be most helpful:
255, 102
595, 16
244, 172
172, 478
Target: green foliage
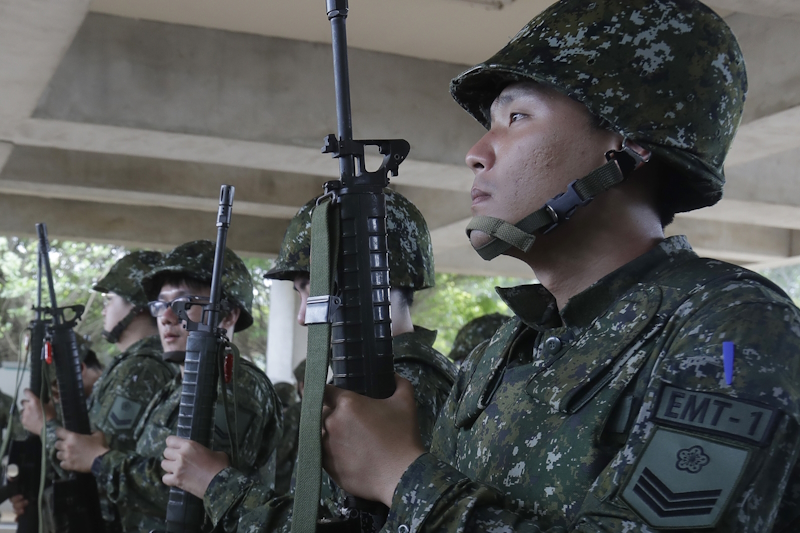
253, 340
787, 278
76, 267
455, 300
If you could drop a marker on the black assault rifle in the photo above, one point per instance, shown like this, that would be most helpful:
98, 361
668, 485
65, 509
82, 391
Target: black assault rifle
361, 336
76, 502
185, 512
24, 470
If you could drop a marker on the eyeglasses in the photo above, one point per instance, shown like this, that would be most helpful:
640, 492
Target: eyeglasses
159, 307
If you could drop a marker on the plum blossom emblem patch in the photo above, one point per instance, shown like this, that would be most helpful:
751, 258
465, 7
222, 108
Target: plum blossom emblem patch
692, 459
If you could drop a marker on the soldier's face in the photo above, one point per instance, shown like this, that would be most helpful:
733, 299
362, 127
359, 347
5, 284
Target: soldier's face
539, 141
301, 285
115, 308
170, 327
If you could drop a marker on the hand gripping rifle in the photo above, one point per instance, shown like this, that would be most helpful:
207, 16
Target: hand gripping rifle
354, 303
185, 512
25, 457
77, 506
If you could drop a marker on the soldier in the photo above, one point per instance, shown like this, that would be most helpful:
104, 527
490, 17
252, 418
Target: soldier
132, 479
639, 388
473, 333
236, 502
287, 449
120, 395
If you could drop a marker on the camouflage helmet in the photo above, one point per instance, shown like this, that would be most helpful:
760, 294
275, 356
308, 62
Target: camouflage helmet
125, 277
409, 242
195, 260
473, 333
300, 372
667, 74
286, 393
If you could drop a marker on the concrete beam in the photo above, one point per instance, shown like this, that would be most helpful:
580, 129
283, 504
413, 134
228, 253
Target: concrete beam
751, 213
740, 243
275, 157
772, 69
765, 137
781, 9
197, 81
771, 180
135, 226
34, 34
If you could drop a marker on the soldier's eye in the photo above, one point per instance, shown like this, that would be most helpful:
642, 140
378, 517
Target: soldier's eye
516, 116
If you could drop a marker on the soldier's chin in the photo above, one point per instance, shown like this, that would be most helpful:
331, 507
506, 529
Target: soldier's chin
479, 239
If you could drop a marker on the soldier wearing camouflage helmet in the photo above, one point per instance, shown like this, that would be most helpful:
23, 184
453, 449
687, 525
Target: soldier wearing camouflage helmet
118, 397
132, 479
474, 332
231, 500
630, 391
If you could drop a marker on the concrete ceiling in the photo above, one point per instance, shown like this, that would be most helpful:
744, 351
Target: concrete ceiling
119, 119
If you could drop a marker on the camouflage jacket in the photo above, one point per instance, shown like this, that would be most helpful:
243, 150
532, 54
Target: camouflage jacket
287, 448
620, 412
132, 480
9, 418
242, 503
118, 400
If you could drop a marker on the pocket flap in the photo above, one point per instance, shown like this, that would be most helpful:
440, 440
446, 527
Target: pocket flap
600, 354
487, 373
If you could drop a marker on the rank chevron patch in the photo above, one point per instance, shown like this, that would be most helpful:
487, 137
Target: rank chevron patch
124, 413
664, 502
684, 480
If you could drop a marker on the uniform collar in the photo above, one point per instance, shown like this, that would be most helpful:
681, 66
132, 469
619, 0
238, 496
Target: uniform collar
151, 344
536, 306
422, 335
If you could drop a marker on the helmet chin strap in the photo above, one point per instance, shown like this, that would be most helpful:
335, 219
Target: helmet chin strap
504, 235
114, 335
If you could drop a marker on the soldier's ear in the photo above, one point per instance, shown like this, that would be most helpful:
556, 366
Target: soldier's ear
229, 322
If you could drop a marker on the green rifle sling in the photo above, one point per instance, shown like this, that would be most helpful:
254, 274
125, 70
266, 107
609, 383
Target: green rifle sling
324, 252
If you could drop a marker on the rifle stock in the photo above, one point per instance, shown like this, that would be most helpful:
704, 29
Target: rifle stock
185, 512
77, 504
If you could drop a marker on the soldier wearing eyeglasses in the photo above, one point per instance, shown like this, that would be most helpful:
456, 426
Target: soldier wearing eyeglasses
132, 479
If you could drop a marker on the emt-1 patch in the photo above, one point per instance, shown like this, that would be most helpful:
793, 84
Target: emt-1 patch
684, 481
124, 413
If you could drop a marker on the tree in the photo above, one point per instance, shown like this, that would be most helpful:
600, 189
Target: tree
77, 266
455, 300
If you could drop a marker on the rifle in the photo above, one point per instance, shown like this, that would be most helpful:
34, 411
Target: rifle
358, 307
185, 512
24, 469
77, 505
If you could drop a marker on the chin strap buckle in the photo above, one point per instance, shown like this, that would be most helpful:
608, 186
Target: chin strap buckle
563, 206
627, 159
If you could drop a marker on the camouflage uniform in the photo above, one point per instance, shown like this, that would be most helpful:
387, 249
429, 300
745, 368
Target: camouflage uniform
615, 414
8, 410
244, 503
473, 333
120, 395
286, 453
664, 396
131, 479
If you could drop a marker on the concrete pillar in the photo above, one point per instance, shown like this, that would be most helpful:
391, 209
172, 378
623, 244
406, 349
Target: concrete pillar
281, 332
